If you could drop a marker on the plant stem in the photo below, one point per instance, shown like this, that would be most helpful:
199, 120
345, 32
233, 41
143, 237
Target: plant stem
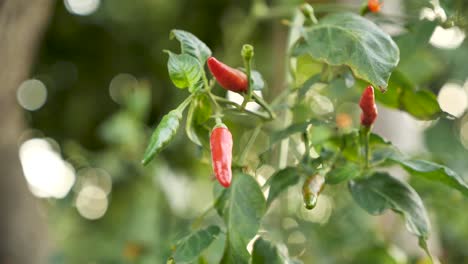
364, 134
305, 139
247, 54
205, 80
185, 103
197, 222
218, 109
264, 105
239, 107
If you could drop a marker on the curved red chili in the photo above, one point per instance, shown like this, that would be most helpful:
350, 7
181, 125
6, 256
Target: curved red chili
228, 77
369, 109
221, 154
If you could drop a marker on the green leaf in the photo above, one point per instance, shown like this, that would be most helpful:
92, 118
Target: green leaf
306, 67
243, 209
342, 171
191, 45
190, 126
162, 135
184, 70
190, 247
280, 181
434, 172
349, 39
421, 104
221, 196
381, 154
380, 192
265, 252
198, 113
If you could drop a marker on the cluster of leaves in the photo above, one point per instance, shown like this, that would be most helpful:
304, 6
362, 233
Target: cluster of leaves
341, 51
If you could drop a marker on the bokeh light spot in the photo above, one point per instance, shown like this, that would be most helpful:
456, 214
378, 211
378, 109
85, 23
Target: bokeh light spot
82, 7
92, 202
47, 174
94, 176
447, 38
453, 99
121, 86
237, 98
31, 94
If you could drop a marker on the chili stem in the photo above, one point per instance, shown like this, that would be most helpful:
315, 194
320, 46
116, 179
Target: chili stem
185, 103
239, 107
247, 57
264, 105
365, 136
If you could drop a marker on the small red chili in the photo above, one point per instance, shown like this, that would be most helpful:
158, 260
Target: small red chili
221, 154
374, 6
369, 109
229, 78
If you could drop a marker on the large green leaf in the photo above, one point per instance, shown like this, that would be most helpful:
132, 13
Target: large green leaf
421, 104
190, 247
265, 252
243, 206
191, 45
280, 181
184, 70
434, 172
349, 39
381, 191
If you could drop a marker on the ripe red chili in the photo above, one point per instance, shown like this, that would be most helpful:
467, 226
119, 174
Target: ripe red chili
369, 109
374, 6
229, 78
221, 154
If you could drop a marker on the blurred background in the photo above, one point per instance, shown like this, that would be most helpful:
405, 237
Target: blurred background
84, 81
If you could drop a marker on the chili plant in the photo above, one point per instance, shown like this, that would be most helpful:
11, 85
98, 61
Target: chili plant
310, 145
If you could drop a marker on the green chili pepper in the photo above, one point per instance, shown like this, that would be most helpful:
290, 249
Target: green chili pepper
162, 135
311, 189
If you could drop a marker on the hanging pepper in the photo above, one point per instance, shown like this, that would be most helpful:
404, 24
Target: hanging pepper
369, 109
229, 78
162, 135
311, 190
374, 6
221, 154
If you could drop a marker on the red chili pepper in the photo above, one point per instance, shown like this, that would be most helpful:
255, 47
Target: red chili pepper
374, 6
229, 78
369, 109
221, 154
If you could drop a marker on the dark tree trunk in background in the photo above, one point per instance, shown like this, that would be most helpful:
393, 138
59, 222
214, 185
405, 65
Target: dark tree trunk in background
22, 229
